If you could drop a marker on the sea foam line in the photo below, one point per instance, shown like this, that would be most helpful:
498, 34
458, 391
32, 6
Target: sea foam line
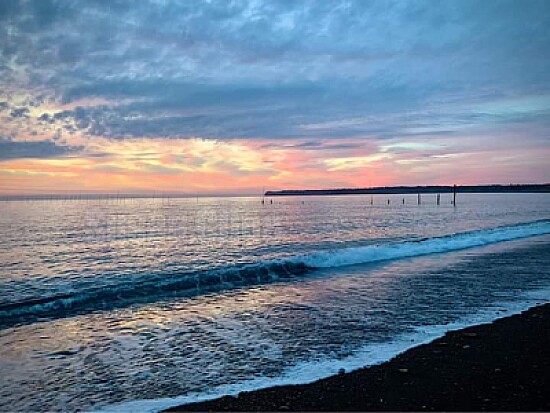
369, 355
454, 242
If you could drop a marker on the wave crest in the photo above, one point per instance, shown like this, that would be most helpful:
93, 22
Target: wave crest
155, 288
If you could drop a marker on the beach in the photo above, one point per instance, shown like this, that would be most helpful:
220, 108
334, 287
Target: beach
503, 366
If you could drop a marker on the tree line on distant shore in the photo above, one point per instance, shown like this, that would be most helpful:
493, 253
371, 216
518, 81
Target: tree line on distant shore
429, 189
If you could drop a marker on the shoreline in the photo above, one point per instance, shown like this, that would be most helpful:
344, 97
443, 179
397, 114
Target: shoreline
427, 189
504, 365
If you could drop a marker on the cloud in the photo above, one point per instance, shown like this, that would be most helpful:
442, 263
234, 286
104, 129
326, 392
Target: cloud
355, 162
324, 85
259, 69
40, 149
20, 113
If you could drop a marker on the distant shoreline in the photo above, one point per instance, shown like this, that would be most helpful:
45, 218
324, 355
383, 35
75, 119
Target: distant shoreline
429, 189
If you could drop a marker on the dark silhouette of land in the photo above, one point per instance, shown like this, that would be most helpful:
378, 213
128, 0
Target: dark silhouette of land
431, 189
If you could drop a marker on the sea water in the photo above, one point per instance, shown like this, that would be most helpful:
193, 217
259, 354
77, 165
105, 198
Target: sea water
143, 303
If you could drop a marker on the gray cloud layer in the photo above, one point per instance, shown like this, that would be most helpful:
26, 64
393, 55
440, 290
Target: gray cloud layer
271, 69
43, 149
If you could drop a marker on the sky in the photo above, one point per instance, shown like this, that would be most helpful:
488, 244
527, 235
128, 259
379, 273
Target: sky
230, 97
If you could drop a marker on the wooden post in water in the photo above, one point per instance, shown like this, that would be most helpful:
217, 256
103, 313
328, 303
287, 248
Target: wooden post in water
419, 200
438, 199
403, 201
454, 194
371, 201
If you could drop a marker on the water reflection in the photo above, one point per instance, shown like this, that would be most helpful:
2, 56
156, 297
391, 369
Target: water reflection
177, 347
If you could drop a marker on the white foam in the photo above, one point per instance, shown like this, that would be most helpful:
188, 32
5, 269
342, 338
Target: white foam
369, 355
374, 253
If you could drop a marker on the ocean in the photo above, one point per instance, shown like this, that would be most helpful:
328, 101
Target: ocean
138, 304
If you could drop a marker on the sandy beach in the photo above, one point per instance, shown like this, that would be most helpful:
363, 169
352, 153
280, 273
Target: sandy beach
502, 366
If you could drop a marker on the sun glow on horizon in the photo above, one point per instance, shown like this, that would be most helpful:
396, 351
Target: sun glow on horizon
198, 165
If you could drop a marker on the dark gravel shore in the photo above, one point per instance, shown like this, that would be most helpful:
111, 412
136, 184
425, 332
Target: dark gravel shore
501, 366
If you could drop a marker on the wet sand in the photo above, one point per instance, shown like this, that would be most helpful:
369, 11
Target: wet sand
502, 366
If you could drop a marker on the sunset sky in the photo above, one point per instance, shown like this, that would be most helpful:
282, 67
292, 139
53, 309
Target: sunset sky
210, 97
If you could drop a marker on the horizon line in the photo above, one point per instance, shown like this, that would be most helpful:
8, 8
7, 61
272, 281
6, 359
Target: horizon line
93, 194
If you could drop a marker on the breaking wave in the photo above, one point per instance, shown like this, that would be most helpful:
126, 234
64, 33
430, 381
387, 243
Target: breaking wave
165, 286
454, 242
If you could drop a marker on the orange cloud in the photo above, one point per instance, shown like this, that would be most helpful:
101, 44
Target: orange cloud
245, 167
